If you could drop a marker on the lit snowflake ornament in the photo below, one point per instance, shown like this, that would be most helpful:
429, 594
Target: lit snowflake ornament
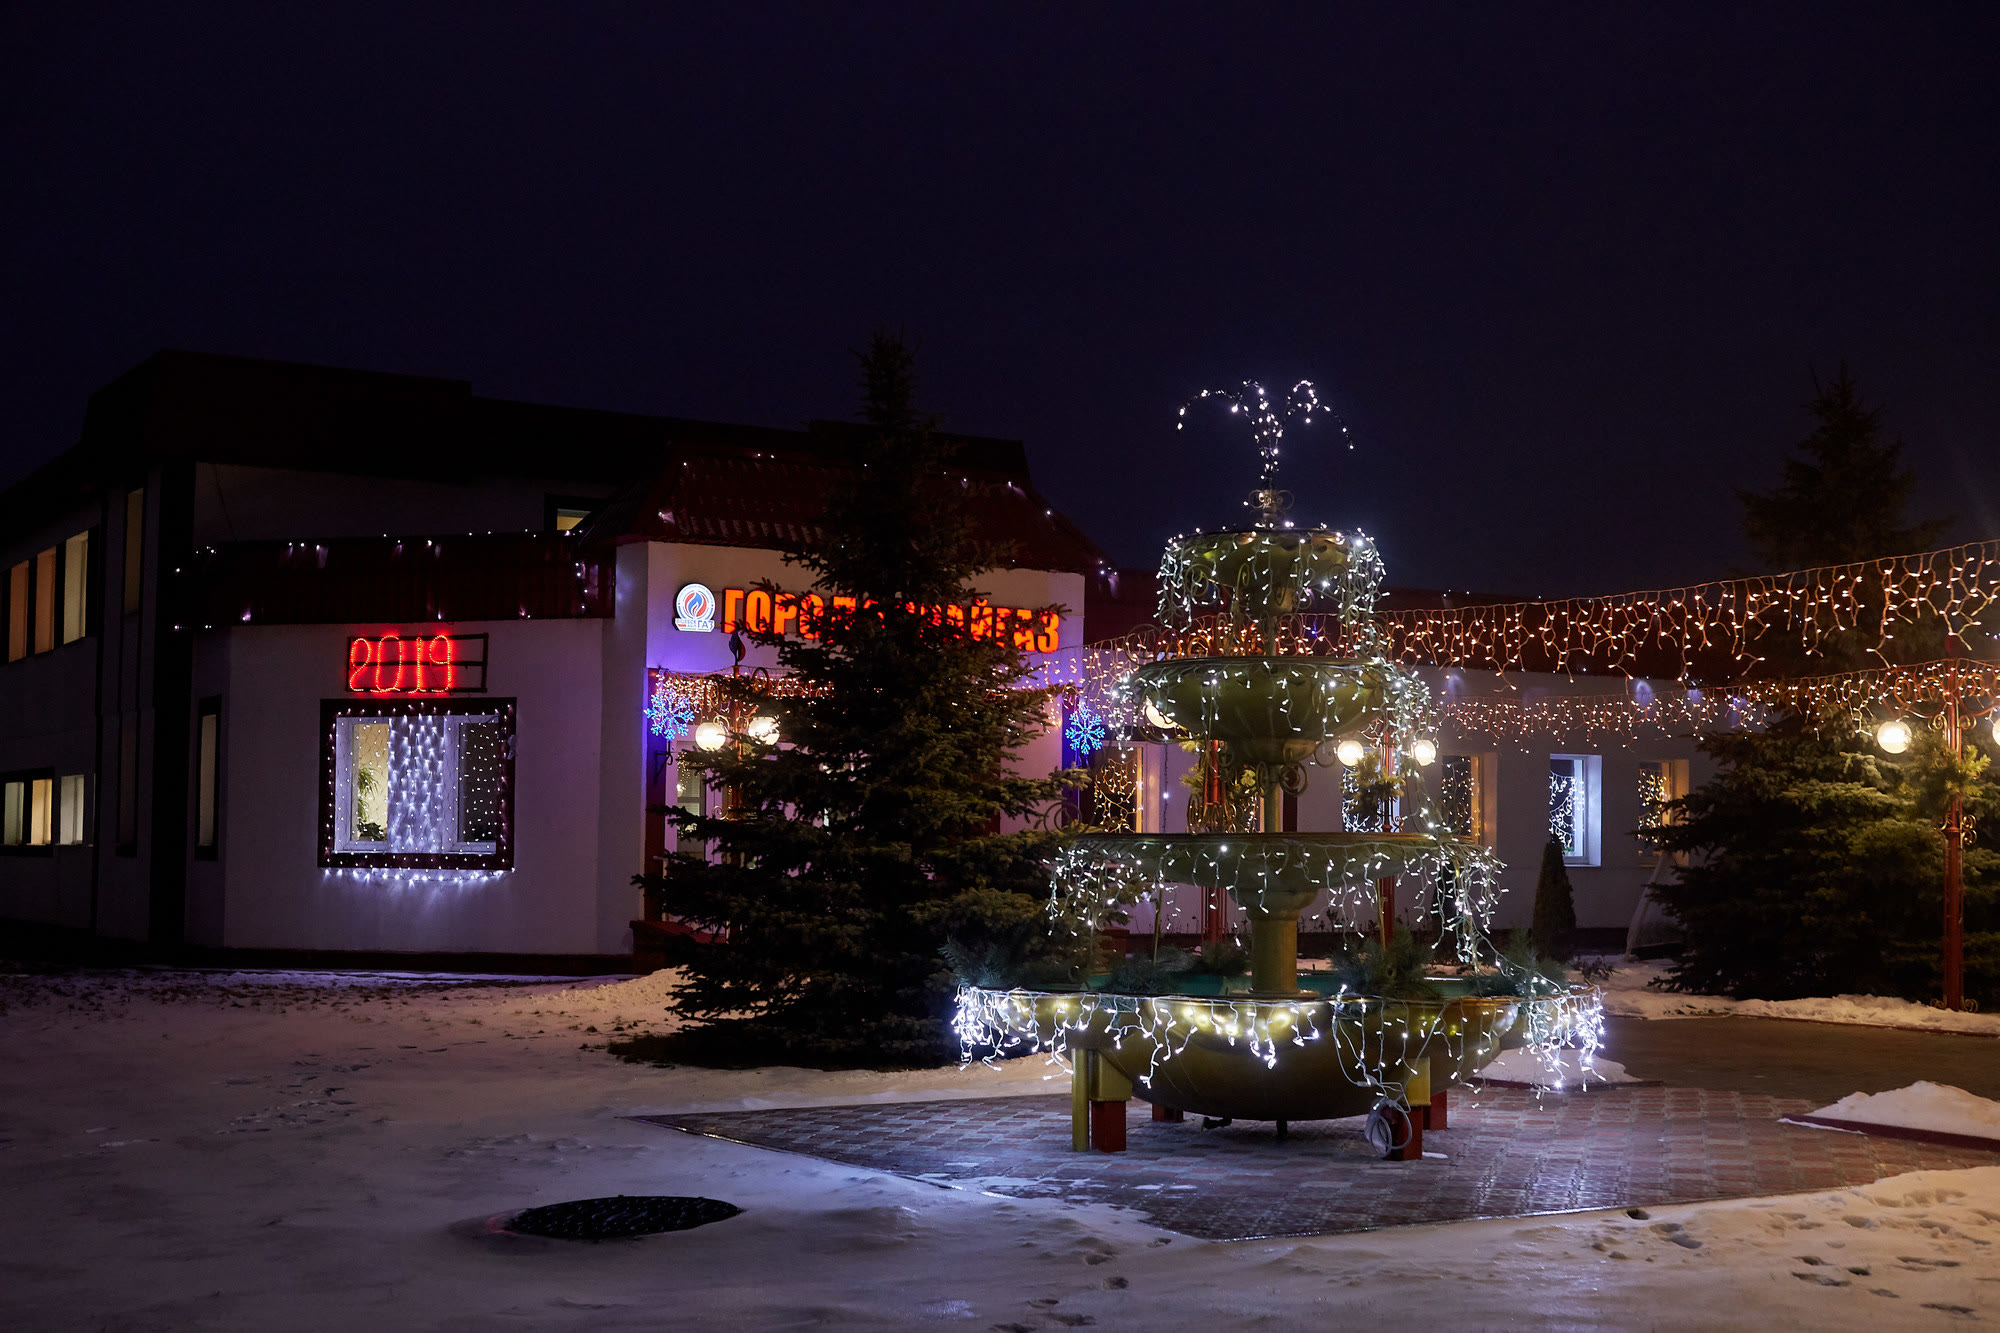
1085, 729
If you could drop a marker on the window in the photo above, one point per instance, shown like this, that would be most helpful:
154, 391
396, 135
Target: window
418, 784
41, 812
563, 512
76, 587
1458, 795
135, 548
1659, 781
45, 601
17, 612
208, 728
1364, 806
71, 821
1574, 803
128, 784
29, 801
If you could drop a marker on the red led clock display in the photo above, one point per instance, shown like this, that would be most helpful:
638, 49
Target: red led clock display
417, 664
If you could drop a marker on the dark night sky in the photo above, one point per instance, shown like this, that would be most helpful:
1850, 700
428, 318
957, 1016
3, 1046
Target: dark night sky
1566, 272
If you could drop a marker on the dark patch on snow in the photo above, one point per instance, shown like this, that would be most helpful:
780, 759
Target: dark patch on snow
619, 1217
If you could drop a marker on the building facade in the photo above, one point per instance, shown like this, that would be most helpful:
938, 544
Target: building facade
341, 662
306, 659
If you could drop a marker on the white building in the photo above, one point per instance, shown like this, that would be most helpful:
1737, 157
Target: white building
319, 661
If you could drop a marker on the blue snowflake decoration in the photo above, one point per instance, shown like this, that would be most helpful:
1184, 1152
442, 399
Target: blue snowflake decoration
669, 713
1085, 729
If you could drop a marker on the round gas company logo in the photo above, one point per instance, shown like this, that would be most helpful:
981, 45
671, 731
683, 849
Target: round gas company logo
694, 609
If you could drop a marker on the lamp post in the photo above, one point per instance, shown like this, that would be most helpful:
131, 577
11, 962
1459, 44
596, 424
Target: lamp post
1894, 737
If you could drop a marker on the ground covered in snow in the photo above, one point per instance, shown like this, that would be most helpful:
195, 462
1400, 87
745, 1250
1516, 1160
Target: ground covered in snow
1631, 991
259, 1151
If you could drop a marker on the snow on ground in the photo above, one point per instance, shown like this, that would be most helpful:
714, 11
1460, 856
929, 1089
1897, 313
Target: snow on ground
1922, 1105
1629, 991
1521, 1065
281, 1152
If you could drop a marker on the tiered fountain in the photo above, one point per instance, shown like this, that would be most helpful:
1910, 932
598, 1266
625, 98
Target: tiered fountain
1286, 667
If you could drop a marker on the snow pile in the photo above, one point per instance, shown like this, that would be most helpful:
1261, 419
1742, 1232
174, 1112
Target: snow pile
1938, 1107
1629, 993
1522, 1065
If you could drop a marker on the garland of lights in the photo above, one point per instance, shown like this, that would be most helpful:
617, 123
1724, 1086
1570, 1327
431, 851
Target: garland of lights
1379, 1041
1958, 585
1097, 874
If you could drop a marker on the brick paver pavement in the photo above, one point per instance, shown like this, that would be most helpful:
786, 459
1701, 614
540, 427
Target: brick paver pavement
1507, 1154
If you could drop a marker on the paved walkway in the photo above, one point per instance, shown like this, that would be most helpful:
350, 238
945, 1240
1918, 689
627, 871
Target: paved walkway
1821, 1062
1506, 1154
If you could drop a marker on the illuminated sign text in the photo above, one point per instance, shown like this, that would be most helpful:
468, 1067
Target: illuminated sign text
417, 664
761, 611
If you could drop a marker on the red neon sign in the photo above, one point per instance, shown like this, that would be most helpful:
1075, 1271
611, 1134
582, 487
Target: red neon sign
758, 611
417, 664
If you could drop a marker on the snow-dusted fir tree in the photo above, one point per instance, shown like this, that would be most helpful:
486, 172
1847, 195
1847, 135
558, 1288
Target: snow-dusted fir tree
866, 840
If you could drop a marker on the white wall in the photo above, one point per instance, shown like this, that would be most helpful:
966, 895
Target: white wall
267, 890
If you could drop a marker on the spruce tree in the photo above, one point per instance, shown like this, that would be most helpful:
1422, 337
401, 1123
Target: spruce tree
1554, 928
865, 840
1844, 496
1814, 866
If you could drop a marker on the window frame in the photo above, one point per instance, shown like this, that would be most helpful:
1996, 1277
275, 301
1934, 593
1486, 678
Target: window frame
73, 810
1590, 774
44, 631
75, 589
20, 608
208, 778
26, 778
336, 852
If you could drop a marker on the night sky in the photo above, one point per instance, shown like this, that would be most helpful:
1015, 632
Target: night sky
1566, 272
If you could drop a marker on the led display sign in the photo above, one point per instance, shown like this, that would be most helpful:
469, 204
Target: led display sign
417, 664
761, 611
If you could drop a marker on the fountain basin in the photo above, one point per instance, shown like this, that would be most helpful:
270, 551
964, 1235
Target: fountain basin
1263, 872
1237, 1056
1268, 710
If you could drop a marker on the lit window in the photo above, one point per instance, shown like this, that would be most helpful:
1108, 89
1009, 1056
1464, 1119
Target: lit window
76, 586
17, 612
1659, 781
71, 821
569, 518
1458, 795
422, 784
45, 601
1574, 802
41, 811
16, 823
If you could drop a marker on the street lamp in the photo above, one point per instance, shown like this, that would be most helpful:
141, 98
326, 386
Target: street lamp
1893, 736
